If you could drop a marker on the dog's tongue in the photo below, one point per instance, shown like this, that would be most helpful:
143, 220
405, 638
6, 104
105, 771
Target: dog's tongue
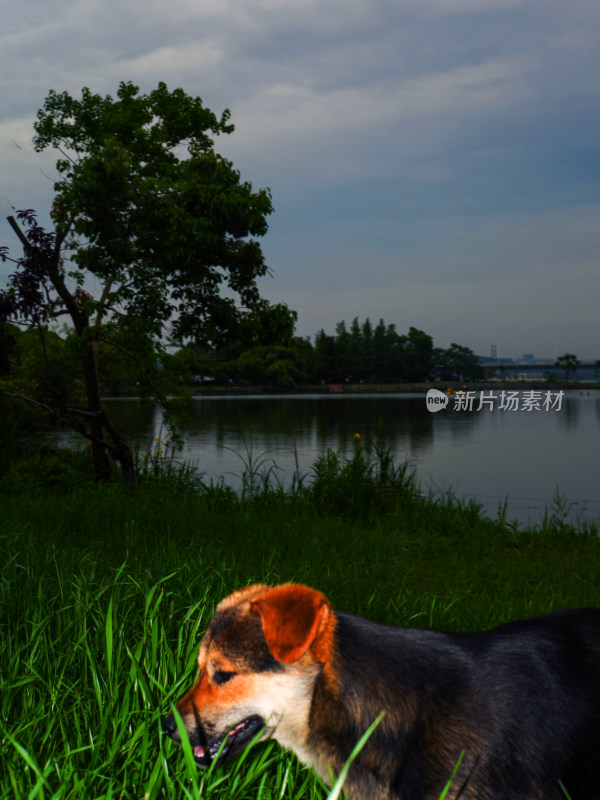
199, 752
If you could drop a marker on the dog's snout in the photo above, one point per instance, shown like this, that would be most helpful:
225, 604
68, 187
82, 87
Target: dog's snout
169, 726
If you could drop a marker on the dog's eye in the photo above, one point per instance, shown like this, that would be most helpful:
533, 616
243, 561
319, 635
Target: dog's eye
221, 676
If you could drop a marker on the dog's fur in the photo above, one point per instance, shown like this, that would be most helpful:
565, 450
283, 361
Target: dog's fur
520, 702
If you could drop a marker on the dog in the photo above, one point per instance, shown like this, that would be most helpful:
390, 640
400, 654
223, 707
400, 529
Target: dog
512, 713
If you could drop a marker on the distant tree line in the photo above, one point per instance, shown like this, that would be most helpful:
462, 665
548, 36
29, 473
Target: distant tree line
358, 353
265, 352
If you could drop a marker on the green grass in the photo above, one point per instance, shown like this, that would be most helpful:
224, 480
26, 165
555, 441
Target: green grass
105, 594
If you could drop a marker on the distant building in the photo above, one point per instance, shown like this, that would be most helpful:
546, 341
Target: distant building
530, 376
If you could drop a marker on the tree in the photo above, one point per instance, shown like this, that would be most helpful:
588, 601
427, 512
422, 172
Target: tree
569, 362
159, 220
416, 355
368, 367
457, 363
270, 365
344, 353
325, 358
385, 352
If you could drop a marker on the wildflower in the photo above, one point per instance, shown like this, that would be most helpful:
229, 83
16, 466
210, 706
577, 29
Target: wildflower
356, 436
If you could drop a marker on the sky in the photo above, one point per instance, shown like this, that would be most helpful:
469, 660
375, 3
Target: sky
433, 163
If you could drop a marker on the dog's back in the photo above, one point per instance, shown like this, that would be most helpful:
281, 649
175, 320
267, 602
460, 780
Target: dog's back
520, 702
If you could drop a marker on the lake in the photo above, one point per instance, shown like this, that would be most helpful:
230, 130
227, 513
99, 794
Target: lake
498, 453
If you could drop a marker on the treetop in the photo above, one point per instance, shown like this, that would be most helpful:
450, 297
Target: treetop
149, 124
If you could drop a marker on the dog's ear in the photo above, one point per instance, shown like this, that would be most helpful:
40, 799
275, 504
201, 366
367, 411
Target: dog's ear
294, 617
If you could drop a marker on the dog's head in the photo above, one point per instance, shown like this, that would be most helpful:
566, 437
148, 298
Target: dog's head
262, 652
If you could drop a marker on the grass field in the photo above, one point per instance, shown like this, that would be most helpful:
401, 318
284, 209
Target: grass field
105, 594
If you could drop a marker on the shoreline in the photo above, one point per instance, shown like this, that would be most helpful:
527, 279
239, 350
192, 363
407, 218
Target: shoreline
394, 388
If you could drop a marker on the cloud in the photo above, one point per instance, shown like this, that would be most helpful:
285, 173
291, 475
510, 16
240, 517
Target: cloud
521, 280
431, 161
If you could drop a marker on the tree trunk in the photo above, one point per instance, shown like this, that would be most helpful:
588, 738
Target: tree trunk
122, 452
101, 424
92, 389
76, 307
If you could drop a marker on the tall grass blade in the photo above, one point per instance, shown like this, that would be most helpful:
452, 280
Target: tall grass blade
109, 638
338, 785
448, 786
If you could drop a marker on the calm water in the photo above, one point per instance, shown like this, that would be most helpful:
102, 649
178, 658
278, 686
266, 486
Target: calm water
490, 455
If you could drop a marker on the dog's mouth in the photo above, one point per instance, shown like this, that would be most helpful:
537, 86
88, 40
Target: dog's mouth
225, 747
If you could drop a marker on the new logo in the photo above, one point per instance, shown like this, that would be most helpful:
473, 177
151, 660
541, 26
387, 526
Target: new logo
436, 400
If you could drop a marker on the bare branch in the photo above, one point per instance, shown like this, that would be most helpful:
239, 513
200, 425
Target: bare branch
14, 225
59, 417
102, 301
66, 155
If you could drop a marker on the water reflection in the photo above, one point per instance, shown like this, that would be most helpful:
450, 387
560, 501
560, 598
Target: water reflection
135, 418
569, 416
397, 422
489, 455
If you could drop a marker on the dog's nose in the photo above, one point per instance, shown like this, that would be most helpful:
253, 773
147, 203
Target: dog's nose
169, 725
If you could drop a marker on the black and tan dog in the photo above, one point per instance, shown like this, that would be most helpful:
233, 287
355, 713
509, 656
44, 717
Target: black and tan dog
520, 702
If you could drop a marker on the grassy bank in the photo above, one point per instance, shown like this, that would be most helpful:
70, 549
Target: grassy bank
104, 596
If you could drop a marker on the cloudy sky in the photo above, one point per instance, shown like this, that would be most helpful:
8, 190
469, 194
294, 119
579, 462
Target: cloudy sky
434, 163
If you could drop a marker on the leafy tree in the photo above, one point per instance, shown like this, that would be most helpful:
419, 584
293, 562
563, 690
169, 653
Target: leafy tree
325, 361
305, 357
356, 352
38, 365
163, 225
368, 366
192, 362
416, 357
41, 364
345, 363
457, 363
569, 362
272, 365
385, 352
